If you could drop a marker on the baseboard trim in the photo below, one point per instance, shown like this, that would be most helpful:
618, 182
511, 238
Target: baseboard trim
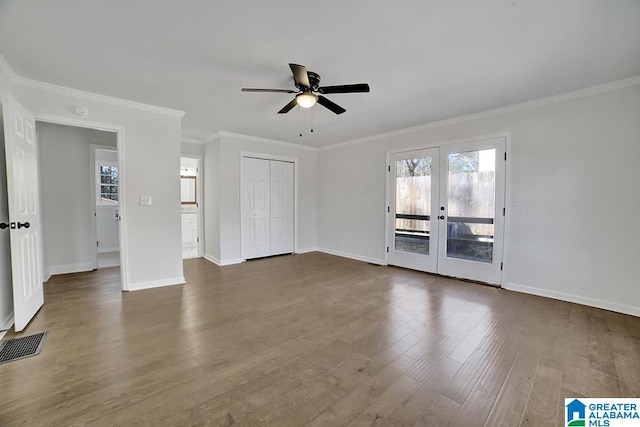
222, 263
156, 284
70, 268
353, 256
306, 250
578, 299
6, 324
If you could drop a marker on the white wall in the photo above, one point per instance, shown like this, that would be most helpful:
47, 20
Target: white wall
192, 148
228, 182
211, 211
6, 293
66, 194
573, 173
150, 161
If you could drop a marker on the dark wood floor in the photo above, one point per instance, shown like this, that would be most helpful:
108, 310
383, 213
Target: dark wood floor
312, 340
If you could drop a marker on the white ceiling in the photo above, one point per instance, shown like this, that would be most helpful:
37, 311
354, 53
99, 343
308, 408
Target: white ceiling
425, 60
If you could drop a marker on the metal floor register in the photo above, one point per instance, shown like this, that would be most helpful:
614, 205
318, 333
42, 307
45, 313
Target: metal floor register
20, 348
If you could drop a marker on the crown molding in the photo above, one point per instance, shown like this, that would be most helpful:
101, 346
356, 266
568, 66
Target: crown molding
581, 93
6, 70
223, 133
212, 137
89, 96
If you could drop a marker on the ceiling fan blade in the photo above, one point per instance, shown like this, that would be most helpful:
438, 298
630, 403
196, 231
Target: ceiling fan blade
358, 87
288, 107
300, 75
250, 89
330, 105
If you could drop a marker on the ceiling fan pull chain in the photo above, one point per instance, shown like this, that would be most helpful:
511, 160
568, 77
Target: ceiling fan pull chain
312, 119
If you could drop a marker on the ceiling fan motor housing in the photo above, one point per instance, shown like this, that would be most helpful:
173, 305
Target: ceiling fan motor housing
314, 82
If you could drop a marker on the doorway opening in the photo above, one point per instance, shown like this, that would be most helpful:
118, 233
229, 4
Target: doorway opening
79, 194
190, 206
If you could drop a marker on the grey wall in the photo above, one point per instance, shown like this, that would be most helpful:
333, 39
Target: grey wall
222, 193
66, 194
572, 232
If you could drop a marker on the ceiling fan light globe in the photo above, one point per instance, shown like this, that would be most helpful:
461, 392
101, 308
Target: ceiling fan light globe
306, 99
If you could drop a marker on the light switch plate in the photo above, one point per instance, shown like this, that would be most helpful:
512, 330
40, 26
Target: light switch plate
145, 200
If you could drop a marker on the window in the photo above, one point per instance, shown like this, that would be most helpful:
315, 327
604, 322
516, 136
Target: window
107, 183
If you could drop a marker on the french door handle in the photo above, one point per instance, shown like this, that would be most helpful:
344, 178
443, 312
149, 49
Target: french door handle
3, 225
23, 224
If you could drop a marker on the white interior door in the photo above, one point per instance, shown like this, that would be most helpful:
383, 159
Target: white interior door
412, 210
472, 188
281, 192
22, 189
256, 234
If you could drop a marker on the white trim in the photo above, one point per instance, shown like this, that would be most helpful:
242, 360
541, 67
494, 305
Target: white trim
578, 299
90, 96
221, 263
581, 93
212, 137
6, 324
305, 250
7, 72
191, 140
261, 140
71, 268
137, 286
353, 256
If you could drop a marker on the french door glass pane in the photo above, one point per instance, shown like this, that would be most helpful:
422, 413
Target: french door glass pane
471, 205
413, 205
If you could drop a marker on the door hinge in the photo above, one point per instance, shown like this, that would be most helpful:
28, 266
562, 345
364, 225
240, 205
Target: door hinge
387, 249
505, 156
388, 209
389, 168
97, 244
501, 266
197, 239
504, 211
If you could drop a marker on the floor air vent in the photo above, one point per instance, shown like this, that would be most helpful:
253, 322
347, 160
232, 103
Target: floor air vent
19, 348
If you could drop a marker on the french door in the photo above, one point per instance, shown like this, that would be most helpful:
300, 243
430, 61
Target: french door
446, 210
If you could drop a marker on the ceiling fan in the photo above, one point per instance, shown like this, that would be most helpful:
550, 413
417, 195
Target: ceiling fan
308, 86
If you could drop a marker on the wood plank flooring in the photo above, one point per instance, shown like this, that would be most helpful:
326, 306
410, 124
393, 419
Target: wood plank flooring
314, 340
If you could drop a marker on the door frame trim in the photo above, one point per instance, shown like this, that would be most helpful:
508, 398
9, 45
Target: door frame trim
275, 157
120, 147
437, 144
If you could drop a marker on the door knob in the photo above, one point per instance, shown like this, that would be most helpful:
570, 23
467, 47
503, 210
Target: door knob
23, 224
441, 217
3, 225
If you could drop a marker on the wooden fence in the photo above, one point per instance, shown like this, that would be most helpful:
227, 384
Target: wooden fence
470, 194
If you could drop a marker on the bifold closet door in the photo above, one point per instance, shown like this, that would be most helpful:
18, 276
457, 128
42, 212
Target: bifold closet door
267, 207
281, 194
256, 208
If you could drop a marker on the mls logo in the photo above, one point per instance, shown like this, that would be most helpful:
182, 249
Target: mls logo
576, 413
